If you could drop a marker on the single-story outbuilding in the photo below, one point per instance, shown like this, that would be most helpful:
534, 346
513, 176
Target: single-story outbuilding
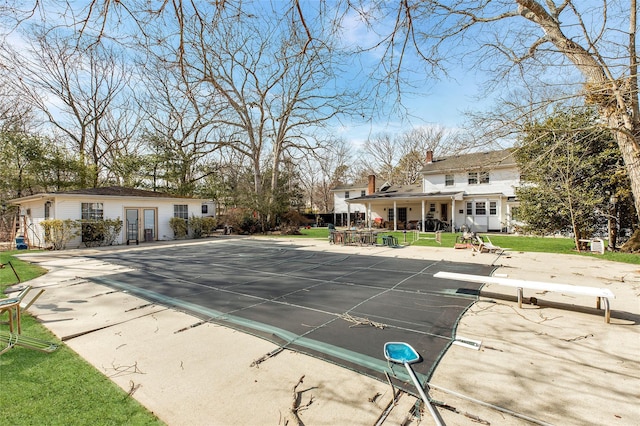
145, 214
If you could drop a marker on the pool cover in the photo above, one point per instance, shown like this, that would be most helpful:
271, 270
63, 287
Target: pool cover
339, 307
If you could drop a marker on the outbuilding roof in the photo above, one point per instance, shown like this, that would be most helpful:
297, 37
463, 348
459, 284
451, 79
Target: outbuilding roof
108, 191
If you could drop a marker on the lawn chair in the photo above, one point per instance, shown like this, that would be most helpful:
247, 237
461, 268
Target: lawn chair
14, 307
389, 241
11, 339
486, 245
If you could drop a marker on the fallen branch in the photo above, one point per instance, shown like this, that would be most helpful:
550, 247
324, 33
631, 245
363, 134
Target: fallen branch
132, 388
362, 321
296, 407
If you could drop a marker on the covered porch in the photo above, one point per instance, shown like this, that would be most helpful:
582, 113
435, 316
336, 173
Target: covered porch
423, 211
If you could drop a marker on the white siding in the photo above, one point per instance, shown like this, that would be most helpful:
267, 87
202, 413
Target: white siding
340, 206
500, 181
70, 207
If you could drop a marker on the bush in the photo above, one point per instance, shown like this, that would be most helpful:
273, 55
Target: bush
59, 232
179, 227
195, 227
292, 221
101, 232
112, 228
92, 234
209, 225
249, 225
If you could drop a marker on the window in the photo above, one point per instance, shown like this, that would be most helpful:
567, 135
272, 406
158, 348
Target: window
473, 178
469, 208
448, 180
402, 214
363, 193
92, 211
205, 209
484, 177
481, 208
346, 194
390, 215
432, 207
493, 208
47, 210
181, 210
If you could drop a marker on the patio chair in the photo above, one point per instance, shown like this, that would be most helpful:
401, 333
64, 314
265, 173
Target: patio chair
11, 339
14, 307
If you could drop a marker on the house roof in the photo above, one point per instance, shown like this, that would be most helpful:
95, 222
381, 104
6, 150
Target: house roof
403, 192
397, 195
109, 191
120, 191
348, 186
473, 161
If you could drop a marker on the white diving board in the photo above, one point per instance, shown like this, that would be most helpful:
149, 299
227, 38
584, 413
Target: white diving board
600, 293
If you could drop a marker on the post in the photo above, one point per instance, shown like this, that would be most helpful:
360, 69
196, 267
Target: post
612, 223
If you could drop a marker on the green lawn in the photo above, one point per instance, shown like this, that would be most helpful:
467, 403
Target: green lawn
62, 389
59, 388
514, 243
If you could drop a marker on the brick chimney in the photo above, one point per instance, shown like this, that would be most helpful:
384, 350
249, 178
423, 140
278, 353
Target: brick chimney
371, 187
429, 158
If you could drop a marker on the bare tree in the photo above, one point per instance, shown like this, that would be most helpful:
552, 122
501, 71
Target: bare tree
182, 125
276, 86
324, 169
80, 92
399, 159
529, 41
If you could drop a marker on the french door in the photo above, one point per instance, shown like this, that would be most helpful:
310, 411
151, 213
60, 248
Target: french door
141, 224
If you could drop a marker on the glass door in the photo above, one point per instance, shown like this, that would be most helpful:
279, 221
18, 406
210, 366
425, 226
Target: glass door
132, 229
149, 216
141, 223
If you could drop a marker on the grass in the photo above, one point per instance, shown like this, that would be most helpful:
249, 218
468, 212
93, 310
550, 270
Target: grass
14, 268
557, 245
59, 388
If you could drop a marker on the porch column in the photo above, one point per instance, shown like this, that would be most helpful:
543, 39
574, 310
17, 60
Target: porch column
453, 214
395, 216
348, 216
369, 215
422, 228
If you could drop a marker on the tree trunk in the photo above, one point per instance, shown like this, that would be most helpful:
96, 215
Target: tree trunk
629, 149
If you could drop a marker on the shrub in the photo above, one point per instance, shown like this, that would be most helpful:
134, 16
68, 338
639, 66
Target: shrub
209, 225
179, 227
101, 232
92, 233
291, 222
59, 232
112, 228
195, 227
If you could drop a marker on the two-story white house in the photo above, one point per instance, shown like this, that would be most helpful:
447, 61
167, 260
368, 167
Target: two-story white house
476, 191
345, 211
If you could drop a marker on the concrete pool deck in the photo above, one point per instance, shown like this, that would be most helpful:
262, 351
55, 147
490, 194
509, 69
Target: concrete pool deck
543, 364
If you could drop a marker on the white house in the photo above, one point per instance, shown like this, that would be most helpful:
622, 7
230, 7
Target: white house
345, 211
145, 214
473, 190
